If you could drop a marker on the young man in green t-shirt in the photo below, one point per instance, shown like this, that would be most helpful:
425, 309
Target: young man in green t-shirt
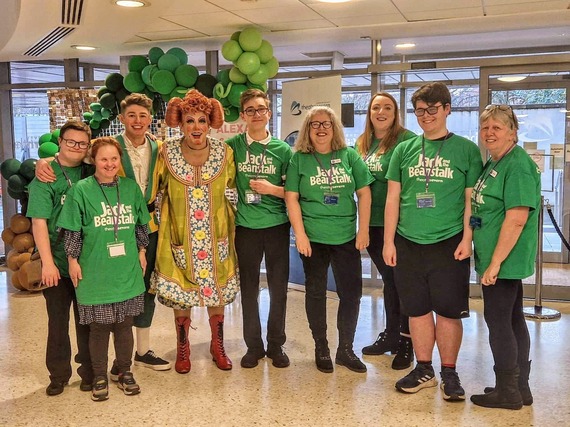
262, 228
427, 237
44, 207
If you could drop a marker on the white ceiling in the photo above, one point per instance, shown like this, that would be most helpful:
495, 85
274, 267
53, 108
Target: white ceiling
293, 27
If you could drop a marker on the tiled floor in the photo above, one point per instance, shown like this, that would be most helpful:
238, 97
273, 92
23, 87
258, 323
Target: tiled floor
266, 396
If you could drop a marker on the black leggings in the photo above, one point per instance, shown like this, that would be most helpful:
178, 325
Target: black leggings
508, 333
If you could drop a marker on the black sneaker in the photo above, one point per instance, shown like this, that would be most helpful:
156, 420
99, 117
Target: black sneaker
252, 358
114, 375
100, 391
451, 385
421, 376
86, 385
323, 359
380, 346
55, 387
128, 384
405, 355
152, 361
345, 357
278, 357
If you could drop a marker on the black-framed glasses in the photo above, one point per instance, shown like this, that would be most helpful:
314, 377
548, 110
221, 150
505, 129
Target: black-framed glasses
72, 144
501, 107
316, 125
262, 111
432, 110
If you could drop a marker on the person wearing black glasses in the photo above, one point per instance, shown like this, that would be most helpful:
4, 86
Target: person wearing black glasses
427, 238
44, 207
322, 177
262, 228
505, 208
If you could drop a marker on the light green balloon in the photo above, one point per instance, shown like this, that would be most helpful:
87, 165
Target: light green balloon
260, 76
250, 39
237, 76
231, 50
265, 51
235, 36
272, 67
248, 62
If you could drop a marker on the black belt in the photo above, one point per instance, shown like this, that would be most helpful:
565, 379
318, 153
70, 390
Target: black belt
151, 207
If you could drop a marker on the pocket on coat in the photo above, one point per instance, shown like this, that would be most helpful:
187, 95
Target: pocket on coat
179, 257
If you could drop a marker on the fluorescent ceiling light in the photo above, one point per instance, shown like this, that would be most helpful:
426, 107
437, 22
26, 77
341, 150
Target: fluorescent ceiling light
405, 45
80, 47
130, 3
511, 79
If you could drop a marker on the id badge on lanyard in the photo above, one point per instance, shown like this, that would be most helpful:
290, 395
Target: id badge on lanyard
425, 200
116, 249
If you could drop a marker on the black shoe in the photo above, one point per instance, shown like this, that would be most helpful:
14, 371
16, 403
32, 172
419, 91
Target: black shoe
100, 391
451, 385
405, 355
55, 387
421, 376
279, 357
86, 385
128, 384
381, 345
251, 358
114, 375
345, 357
152, 361
323, 359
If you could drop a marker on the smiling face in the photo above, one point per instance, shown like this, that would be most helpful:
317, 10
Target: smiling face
136, 120
496, 136
257, 123
321, 138
107, 162
434, 126
195, 128
382, 115
72, 156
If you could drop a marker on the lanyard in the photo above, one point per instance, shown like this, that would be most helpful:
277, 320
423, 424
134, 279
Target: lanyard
329, 170
480, 183
371, 153
431, 168
63, 170
261, 160
115, 218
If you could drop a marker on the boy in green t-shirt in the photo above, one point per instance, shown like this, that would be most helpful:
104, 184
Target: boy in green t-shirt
262, 227
44, 208
428, 239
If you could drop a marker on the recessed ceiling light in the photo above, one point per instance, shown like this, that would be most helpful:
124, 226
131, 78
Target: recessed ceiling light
82, 47
405, 45
511, 79
131, 3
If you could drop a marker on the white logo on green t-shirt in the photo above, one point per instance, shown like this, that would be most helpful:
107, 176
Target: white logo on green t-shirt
437, 168
109, 213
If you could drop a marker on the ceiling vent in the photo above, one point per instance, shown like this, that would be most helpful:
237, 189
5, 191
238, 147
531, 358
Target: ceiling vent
71, 11
48, 41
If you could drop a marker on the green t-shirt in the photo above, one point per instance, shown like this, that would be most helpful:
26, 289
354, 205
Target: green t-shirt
259, 161
309, 174
456, 168
511, 182
106, 279
46, 201
378, 166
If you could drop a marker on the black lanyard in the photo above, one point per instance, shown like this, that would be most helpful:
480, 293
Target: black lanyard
115, 218
69, 183
431, 168
261, 160
329, 170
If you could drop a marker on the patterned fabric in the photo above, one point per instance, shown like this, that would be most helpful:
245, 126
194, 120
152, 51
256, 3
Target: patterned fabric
141, 234
196, 262
73, 243
107, 314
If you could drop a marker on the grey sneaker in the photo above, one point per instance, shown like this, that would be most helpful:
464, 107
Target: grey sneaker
100, 391
128, 384
451, 385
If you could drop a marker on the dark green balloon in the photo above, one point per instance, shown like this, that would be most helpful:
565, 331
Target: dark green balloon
28, 169
205, 84
114, 82
107, 101
10, 167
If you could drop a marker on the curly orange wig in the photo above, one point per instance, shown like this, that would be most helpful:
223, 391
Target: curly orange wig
194, 102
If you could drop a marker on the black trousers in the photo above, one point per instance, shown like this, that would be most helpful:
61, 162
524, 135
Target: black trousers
508, 333
144, 320
59, 299
251, 245
396, 321
347, 269
99, 345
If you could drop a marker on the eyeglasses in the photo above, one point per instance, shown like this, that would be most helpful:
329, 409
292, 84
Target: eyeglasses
316, 125
72, 144
501, 107
262, 111
430, 110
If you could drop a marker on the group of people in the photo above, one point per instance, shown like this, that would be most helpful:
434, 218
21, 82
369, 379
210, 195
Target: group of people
421, 201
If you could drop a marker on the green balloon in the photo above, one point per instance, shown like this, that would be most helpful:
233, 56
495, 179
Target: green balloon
179, 92
88, 115
272, 67
248, 62
265, 51
28, 169
231, 50
133, 83
102, 91
121, 94
17, 182
235, 36
93, 124
179, 53
205, 84
106, 113
165, 97
231, 114
186, 75
97, 116
95, 106
104, 124
114, 82
137, 63
154, 54
237, 76
250, 39
46, 137
148, 72
168, 62
262, 87
164, 82
260, 76
235, 94
10, 167
48, 150
108, 100
55, 136
223, 76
